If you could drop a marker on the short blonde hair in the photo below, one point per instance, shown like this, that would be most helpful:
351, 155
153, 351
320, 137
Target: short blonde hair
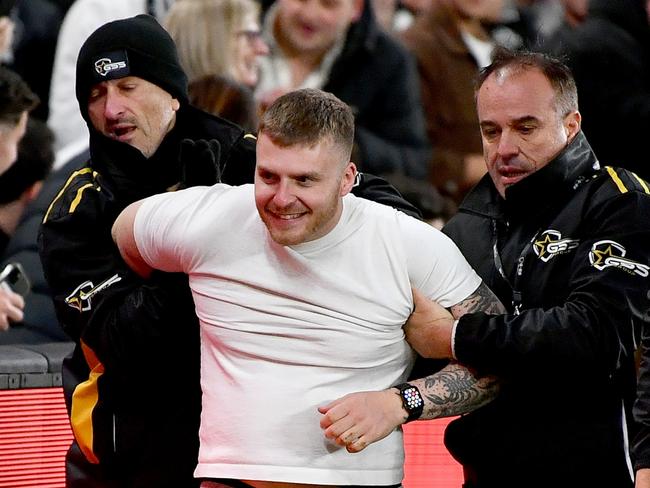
205, 32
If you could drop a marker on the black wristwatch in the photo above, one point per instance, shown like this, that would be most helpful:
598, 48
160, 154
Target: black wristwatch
411, 400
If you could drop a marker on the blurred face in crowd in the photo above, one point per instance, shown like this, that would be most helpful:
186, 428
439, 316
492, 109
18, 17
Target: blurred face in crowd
298, 189
490, 10
133, 111
313, 26
249, 46
10, 136
521, 125
575, 10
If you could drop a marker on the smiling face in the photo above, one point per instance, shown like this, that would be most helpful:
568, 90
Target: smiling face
313, 26
133, 111
299, 189
521, 125
248, 47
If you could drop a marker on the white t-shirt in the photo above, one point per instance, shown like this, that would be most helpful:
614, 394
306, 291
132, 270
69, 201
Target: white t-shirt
288, 329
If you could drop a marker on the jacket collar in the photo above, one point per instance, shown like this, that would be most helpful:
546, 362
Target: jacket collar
548, 187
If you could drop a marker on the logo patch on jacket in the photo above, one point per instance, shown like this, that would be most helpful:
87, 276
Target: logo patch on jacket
550, 244
81, 297
605, 254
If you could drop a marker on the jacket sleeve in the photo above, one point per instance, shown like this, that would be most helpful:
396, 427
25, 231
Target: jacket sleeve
97, 299
641, 410
379, 190
591, 330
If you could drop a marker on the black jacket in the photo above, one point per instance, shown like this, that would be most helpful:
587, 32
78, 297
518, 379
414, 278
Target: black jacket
132, 383
579, 237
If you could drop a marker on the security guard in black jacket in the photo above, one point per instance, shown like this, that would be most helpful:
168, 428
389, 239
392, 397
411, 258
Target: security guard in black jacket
132, 382
565, 245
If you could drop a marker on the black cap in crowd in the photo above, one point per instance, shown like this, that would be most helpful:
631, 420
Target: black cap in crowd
137, 46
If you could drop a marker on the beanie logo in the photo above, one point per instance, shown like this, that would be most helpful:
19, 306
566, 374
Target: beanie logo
104, 66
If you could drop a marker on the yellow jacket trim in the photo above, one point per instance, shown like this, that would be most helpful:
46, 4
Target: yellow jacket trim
642, 182
84, 401
67, 183
77, 198
616, 179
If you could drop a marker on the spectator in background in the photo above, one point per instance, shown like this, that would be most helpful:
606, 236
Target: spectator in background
608, 51
222, 96
450, 44
20, 185
218, 37
340, 48
219, 45
35, 26
396, 15
16, 101
82, 18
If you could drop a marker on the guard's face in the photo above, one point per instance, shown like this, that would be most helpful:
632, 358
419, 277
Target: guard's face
313, 26
10, 136
521, 128
299, 189
133, 111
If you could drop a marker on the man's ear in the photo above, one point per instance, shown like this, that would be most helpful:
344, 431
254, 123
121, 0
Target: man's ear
30, 194
349, 177
572, 124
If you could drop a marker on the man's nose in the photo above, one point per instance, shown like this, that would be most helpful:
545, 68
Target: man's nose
113, 105
507, 147
283, 196
261, 47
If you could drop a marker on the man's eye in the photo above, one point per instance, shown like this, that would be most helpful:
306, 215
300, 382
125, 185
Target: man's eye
266, 176
304, 181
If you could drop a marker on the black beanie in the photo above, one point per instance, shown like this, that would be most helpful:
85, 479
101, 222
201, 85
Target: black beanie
137, 46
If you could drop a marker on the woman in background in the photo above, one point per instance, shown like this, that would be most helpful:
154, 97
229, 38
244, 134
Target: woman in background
218, 37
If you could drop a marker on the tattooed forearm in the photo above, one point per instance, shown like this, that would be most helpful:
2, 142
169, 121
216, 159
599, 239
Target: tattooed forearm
455, 390
482, 300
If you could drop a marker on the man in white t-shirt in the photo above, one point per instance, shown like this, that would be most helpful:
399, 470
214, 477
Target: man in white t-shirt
302, 302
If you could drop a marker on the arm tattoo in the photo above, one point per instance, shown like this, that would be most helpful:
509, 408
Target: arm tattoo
482, 300
455, 390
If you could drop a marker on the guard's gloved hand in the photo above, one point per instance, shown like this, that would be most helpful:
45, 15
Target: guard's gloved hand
199, 161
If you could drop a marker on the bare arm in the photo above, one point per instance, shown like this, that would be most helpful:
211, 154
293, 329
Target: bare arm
454, 390
359, 419
429, 327
124, 238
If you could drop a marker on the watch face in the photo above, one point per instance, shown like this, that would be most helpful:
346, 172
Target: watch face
412, 398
